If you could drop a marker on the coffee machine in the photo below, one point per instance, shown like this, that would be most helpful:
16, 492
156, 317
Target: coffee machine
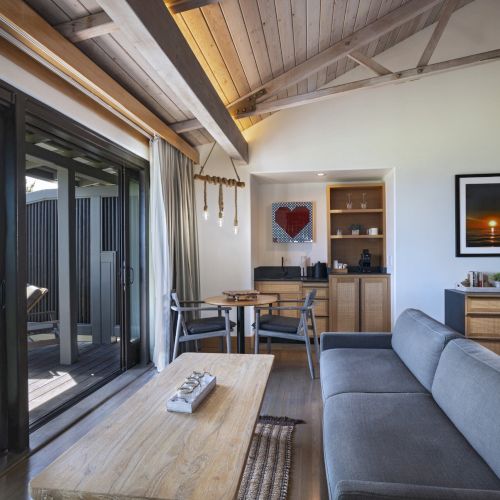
365, 263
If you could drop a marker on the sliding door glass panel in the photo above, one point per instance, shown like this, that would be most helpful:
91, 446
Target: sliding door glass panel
73, 218
46, 378
134, 256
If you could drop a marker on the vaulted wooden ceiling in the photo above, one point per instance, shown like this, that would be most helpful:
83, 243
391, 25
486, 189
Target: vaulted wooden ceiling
241, 45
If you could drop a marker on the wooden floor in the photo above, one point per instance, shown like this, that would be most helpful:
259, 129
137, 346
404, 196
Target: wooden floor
290, 392
50, 384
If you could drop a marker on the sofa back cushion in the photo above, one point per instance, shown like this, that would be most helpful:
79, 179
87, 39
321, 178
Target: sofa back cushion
467, 388
419, 341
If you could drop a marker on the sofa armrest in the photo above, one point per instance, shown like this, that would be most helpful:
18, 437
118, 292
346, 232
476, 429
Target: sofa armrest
372, 340
364, 490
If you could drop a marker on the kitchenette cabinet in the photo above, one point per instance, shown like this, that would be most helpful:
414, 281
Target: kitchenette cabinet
360, 303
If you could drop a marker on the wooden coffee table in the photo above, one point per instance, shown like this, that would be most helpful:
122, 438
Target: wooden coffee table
143, 451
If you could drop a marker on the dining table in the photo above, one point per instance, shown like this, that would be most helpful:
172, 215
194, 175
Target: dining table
225, 301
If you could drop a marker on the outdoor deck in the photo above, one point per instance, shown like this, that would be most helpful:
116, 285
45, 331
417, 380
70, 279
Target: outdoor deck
51, 384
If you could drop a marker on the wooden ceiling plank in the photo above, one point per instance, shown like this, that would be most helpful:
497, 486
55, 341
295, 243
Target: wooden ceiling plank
339, 11
299, 25
253, 23
195, 20
313, 18
449, 7
369, 63
236, 25
347, 30
361, 17
267, 11
218, 28
119, 48
138, 88
87, 27
353, 42
23, 23
384, 8
179, 6
186, 33
378, 81
216, 23
285, 29
158, 38
325, 32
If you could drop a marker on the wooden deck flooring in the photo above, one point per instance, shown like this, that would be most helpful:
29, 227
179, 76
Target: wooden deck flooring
50, 384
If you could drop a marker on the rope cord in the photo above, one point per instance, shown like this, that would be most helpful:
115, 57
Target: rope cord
221, 202
206, 160
235, 205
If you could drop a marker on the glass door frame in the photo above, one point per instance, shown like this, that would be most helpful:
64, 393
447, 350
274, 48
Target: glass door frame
13, 344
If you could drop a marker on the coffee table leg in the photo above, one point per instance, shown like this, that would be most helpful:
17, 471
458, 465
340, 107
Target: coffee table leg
241, 329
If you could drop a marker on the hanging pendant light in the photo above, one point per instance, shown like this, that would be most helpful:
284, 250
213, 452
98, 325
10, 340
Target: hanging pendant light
235, 225
221, 206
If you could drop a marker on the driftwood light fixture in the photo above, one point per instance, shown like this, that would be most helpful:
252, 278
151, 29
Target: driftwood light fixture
221, 182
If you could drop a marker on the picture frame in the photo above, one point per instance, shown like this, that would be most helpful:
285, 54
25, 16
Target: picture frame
292, 222
477, 215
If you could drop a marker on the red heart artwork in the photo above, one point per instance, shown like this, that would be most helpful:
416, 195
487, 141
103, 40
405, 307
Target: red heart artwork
292, 221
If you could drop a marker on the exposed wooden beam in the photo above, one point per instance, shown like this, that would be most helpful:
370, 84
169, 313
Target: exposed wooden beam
157, 37
369, 63
178, 6
357, 40
378, 81
87, 27
449, 7
32, 31
186, 126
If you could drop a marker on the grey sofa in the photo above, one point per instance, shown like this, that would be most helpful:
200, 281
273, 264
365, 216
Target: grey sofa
412, 414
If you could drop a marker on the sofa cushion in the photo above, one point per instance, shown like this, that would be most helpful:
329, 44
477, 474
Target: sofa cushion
467, 388
365, 370
398, 438
419, 340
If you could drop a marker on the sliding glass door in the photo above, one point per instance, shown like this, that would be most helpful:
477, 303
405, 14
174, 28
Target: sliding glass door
73, 280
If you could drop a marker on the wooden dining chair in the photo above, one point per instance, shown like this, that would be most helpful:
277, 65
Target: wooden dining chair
188, 329
283, 327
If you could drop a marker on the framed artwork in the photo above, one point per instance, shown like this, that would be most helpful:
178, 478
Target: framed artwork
477, 206
292, 222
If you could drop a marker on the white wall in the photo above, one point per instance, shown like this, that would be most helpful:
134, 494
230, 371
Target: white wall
426, 130
25, 81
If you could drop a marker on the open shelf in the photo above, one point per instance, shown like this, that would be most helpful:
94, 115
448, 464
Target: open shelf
346, 247
358, 211
356, 236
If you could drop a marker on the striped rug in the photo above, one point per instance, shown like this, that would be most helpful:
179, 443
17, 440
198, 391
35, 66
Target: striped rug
268, 464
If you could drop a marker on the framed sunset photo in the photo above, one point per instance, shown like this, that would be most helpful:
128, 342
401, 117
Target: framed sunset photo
477, 205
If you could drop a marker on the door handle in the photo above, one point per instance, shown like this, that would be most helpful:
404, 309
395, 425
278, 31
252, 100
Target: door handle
2, 295
131, 276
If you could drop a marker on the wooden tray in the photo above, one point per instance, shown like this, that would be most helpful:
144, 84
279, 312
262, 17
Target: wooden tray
237, 295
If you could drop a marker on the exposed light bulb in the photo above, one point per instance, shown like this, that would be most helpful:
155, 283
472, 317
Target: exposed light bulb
220, 221
205, 214
236, 229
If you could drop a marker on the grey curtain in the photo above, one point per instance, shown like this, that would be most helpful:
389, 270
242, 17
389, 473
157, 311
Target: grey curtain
174, 241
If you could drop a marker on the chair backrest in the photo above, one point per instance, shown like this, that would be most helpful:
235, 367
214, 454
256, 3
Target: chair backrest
309, 300
34, 295
175, 299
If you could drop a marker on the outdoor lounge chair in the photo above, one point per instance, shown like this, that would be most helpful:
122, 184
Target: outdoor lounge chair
34, 295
